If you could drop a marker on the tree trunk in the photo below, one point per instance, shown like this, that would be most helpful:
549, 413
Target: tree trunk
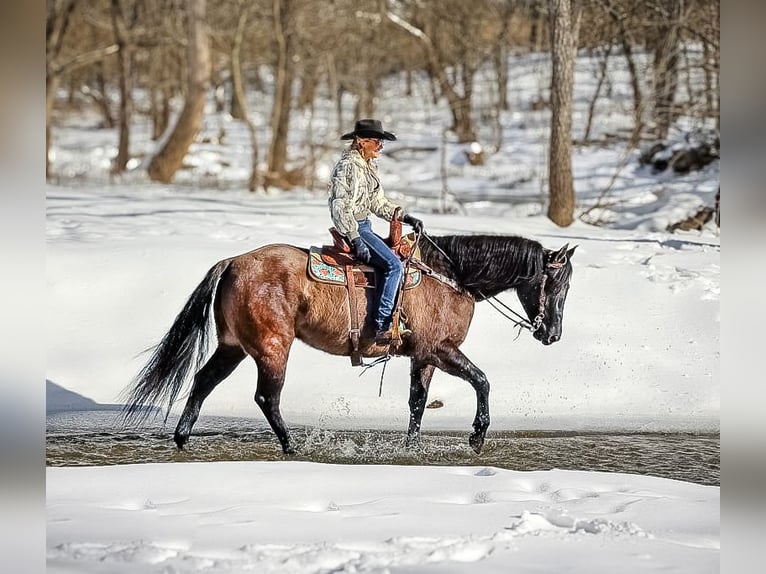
462, 124
235, 104
603, 66
500, 58
665, 70
280, 114
239, 95
718, 207
617, 12
707, 67
159, 93
124, 57
501, 70
561, 186
309, 83
56, 25
51, 85
335, 91
160, 110
638, 98
365, 105
665, 81
103, 97
535, 27
408, 83
164, 165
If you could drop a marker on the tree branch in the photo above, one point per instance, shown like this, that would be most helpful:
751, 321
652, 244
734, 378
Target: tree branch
83, 60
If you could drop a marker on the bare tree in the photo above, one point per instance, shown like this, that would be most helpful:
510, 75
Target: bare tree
563, 42
160, 93
602, 69
456, 23
348, 48
239, 91
710, 33
57, 23
619, 14
665, 44
124, 59
504, 11
162, 64
59, 65
164, 165
280, 114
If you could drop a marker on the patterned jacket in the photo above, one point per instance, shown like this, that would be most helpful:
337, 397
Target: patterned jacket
354, 192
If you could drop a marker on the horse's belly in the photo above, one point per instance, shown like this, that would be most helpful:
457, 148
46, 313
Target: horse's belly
325, 321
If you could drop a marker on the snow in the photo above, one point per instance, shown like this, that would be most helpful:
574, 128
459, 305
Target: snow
298, 517
639, 351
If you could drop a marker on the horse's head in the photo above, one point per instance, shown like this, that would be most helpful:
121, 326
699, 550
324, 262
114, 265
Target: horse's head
544, 298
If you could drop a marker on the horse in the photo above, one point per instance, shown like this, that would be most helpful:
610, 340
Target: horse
263, 300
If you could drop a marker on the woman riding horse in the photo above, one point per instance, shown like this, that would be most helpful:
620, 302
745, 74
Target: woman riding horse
261, 301
355, 191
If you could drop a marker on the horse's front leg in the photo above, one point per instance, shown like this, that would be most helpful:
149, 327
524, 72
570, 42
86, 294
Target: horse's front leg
454, 362
420, 379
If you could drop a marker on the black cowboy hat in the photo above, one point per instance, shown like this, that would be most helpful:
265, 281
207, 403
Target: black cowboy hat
369, 129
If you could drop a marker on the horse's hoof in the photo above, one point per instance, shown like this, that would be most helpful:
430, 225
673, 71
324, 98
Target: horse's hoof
289, 449
477, 442
413, 440
180, 441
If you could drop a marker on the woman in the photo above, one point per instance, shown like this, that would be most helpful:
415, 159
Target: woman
355, 191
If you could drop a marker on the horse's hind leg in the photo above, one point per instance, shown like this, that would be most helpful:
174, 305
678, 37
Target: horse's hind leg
271, 379
420, 379
218, 367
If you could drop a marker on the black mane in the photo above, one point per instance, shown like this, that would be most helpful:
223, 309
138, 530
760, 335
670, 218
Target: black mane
485, 265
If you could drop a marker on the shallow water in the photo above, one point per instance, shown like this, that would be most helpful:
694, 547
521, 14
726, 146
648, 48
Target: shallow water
96, 438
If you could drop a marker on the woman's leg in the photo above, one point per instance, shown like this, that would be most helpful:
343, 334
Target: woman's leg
391, 269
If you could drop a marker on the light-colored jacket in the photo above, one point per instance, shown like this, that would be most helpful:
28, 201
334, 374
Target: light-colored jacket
354, 192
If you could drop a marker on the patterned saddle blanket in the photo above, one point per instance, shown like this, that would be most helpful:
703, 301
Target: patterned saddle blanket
327, 265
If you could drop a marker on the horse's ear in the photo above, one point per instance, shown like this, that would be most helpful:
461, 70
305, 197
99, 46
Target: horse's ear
560, 255
571, 252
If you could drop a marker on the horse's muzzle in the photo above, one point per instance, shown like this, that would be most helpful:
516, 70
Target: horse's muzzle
550, 339
545, 337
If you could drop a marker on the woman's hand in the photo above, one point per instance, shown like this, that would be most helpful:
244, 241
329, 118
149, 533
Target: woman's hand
361, 251
414, 222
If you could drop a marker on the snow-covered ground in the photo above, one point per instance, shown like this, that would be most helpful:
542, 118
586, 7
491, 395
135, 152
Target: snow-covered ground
639, 351
295, 517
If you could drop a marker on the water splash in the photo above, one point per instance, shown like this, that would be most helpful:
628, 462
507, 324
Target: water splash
92, 439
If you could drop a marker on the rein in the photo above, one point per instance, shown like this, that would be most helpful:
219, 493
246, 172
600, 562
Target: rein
522, 322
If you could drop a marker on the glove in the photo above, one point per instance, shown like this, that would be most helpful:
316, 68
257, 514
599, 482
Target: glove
416, 224
361, 251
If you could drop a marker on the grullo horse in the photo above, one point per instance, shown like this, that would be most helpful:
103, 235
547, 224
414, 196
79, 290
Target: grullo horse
264, 299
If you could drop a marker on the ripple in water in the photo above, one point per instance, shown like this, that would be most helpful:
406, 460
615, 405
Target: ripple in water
95, 438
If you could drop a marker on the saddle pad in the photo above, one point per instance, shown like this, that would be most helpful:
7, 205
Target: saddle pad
325, 273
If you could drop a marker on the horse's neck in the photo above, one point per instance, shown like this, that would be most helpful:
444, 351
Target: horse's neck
482, 270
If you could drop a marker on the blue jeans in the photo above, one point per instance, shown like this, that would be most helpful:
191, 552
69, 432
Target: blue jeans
391, 270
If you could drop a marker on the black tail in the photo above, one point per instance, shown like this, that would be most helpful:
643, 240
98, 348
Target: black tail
181, 352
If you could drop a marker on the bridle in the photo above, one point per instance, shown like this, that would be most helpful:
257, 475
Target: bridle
538, 322
520, 321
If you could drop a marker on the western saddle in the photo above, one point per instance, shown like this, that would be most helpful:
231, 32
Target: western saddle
336, 264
